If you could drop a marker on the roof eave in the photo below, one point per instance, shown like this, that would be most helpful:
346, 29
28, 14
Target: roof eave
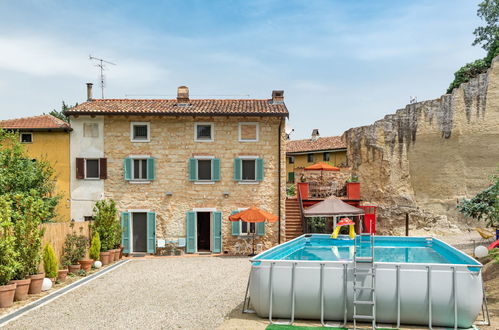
315, 151
183, 114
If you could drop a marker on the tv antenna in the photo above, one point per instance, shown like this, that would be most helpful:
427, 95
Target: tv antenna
101, 66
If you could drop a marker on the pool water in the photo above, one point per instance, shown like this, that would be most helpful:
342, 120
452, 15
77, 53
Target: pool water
386, 249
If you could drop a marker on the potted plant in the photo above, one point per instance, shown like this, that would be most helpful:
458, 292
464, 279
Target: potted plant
62, 273
50, 263
95, 247
106, 224
303, 187
30, 209
74, 250
8, 255
353, 187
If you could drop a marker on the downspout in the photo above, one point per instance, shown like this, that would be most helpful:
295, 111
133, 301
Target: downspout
279, 181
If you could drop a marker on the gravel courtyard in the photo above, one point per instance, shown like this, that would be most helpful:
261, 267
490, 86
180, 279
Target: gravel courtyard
153, 293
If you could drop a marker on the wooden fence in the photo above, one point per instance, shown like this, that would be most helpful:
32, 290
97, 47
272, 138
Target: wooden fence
55, 234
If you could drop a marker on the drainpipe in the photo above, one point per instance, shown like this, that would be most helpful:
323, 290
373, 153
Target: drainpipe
279, 182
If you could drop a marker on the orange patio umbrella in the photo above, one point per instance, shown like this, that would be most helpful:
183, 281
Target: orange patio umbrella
253, 215
321, 166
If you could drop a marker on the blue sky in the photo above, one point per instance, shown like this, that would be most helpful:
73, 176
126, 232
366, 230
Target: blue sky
341, 63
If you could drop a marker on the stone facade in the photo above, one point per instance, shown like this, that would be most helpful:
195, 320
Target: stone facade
426, 157
172, 144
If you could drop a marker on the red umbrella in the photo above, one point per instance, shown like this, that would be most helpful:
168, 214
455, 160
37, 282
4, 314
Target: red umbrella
253, 215
321, 166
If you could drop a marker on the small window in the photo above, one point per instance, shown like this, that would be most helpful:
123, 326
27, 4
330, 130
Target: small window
139, 169
204, 169
325, 157
247, 228
310, 158
203, 132
140, 132
89, 218
291, 159
90, 130
91, 169
248, 170
291, 177
26, 137
248, 132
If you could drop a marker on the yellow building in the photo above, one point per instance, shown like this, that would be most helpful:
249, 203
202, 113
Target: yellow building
46, 137
302, 153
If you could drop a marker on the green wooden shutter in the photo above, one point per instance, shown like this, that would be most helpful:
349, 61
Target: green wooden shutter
237, 169
193, 169
190, 229
291, 176
260, 228
150, 169
217, 232
215, 169
259, 169
236, 225
151, 232
128, 168
125, 233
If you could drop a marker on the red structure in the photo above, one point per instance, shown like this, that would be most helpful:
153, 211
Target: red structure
369, 218
353, 190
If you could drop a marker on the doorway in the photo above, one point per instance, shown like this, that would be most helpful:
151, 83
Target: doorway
139, 232
203, 231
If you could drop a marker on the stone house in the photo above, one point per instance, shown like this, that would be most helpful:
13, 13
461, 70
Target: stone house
302, 153
46, 137
178, 168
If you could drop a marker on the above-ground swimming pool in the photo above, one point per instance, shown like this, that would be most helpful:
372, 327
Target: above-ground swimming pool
419, 280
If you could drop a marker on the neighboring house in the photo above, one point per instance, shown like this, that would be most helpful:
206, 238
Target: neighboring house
302, 153
178, 168
46, 137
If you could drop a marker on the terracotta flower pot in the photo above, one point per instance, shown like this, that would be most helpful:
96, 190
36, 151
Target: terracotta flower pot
121, 252
62, 274
7, 293
22, 289
35, 286
111, 256
73, 269
116, 254
104, 257
86, 264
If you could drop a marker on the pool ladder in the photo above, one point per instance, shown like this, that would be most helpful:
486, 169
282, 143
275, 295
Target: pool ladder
363, 267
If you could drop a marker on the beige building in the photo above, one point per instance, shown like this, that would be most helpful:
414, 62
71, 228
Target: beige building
178, 168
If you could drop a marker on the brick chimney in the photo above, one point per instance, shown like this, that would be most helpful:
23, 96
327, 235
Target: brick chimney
277, 97
183, 95
89, 92
315, 134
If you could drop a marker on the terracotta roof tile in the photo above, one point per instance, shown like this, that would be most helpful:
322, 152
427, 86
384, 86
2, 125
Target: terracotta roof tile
36, 122
200, 107
322, 143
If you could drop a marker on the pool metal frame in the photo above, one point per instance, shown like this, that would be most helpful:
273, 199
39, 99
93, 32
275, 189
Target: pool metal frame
429, 266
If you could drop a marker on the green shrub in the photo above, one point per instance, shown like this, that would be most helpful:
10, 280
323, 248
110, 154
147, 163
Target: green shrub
95, 247
291, 191
107, 224
50, 263
75, 247
8, 255
28, 213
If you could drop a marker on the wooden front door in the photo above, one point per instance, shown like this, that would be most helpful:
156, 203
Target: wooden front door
139, 232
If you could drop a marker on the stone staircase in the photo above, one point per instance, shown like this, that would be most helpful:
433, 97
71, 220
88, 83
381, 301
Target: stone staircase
293, 219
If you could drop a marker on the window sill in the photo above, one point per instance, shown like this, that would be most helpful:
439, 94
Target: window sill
92, 179
248, 140
140, 141
196, 140
204, 182
248, 182
139, 181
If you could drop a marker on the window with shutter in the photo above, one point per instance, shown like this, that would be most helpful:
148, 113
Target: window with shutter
237, 169
103, 168
190, 232
193, 169
151, 232
92, 169
127, 166
217, 232
125, 233
236, 225
80, 168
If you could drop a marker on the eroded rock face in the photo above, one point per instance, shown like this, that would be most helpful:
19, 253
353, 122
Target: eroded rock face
426, 157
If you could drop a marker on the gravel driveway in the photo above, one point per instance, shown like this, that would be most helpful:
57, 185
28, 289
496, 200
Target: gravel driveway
187, 292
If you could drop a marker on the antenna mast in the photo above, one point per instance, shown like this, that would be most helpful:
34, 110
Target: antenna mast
101, 67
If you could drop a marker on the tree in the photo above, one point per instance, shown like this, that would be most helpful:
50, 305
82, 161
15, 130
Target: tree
22, 177
60, 114
107, 224
488, 10
9, 263
484, 205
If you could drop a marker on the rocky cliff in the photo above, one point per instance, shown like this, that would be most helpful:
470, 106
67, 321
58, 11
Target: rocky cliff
427, 156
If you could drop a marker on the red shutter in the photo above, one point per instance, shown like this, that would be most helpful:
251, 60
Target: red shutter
80, 168
103, 168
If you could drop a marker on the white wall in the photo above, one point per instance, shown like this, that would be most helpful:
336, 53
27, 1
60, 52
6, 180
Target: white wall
84, 193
